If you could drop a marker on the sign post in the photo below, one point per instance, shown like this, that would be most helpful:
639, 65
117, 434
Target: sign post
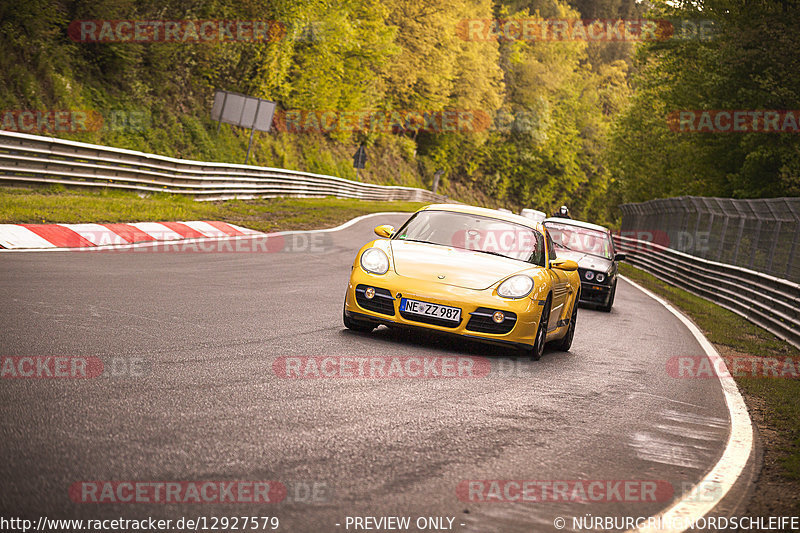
252, 131
436, 176
244, 111
359, 159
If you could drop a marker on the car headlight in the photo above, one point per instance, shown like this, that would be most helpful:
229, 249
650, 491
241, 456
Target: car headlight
375, 261
600, 277
589, 275
515, 287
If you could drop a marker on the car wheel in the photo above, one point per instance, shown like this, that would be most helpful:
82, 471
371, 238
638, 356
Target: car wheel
607, 307
536, 351
356, 325
566, 342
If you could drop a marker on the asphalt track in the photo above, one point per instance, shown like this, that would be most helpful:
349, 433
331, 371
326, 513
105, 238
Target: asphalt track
205, 403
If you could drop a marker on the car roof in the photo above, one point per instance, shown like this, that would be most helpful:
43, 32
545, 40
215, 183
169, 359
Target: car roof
532, 210
578, 223
483, 211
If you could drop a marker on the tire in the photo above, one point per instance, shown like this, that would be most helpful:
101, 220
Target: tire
536, 351
566, 342
356, 325
610, 304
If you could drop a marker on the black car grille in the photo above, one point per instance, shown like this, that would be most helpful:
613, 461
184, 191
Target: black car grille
592, 295
482, 322
382, 302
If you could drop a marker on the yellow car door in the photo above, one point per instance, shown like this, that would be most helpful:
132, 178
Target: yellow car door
560, 285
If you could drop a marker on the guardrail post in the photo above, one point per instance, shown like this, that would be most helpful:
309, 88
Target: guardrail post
722, 237
684, 216
754, 245
697, 229
790, 261
773, 247
776, 218
702, 209
738, 241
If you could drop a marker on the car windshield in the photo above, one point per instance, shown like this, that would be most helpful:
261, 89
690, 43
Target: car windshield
474, 232
577, 239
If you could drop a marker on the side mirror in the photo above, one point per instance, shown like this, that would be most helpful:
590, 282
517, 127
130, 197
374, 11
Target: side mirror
620, 257
384, 231
564, 264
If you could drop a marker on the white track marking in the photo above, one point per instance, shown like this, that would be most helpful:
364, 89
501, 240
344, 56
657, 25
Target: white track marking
13, 236
251, 234
205, 228
96, 234
246, 231
719, 481
158, 231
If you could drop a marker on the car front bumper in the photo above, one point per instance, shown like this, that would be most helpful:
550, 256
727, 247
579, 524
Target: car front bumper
476, 307
595, 293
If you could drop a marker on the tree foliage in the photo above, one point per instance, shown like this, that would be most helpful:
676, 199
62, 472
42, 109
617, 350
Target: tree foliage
749, 63
548, 106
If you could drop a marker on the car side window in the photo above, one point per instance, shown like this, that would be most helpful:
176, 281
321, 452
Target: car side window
537, 256
551, 251
612, 250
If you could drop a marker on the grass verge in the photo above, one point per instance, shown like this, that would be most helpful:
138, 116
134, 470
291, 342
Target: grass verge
774, 403
52, 205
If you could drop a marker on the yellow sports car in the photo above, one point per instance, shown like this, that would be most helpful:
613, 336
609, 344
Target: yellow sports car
475, 272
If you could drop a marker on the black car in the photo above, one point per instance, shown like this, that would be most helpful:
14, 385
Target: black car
592, 247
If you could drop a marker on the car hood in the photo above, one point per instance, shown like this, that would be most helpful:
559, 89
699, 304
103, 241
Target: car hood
460, 268
584, 260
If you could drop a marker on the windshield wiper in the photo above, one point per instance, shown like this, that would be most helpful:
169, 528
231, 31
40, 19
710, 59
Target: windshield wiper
597, 255
565, 247
491, 253
417, 240
580, 251
423, 242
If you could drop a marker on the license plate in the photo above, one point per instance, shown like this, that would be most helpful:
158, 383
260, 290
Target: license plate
432, 310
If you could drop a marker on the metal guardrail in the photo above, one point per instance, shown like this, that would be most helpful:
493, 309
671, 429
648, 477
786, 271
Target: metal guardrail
758, 234
770, 302
38, 159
